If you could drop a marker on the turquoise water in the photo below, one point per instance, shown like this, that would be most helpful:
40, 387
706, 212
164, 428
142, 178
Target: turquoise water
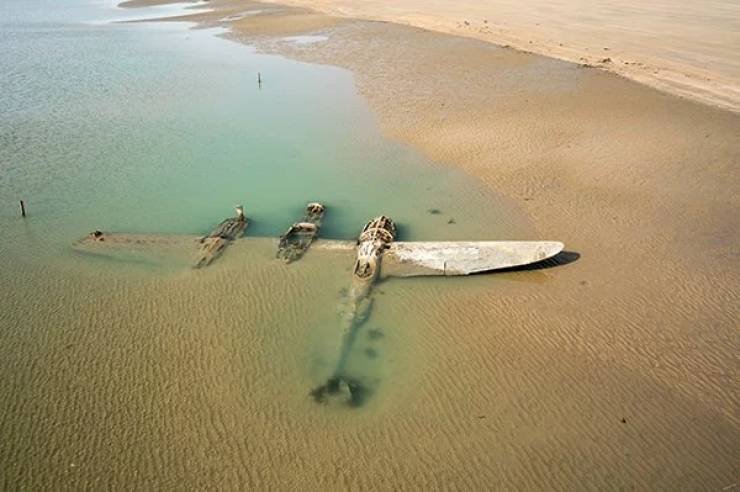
118, 373
158, 128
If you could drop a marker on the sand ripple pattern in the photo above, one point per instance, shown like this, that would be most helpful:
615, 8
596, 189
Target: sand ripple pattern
617, 371
200, 379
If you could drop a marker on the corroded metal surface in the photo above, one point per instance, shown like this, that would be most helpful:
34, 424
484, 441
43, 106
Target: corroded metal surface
374, 239
297, 239
213, 245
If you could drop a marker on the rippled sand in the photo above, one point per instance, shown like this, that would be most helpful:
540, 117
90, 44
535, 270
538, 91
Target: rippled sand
201, 379
118, 377
615, 371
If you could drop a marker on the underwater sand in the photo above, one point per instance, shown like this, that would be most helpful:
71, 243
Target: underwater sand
611, 372
133, 370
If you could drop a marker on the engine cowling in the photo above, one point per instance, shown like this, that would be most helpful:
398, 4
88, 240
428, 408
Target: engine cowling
375, 238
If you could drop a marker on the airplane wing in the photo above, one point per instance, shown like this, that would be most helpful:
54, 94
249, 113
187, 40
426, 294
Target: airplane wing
401, 259
140, 242
137, 248
410, 259
122, 245
134, 242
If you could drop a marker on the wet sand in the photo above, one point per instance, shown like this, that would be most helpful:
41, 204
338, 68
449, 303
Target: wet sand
614, 371
687, 49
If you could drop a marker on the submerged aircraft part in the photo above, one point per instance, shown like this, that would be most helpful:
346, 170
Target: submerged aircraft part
375, 238
297, 239
378, 255
213, 245
353, 314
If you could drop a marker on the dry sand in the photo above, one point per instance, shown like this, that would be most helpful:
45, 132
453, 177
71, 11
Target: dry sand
686, 48
619, 371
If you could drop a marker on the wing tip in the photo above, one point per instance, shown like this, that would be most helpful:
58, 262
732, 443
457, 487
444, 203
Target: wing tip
552, 249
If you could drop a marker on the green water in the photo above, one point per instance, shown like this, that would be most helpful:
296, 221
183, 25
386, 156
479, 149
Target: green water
156, 128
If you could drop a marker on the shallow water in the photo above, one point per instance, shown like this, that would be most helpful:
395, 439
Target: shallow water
118, 368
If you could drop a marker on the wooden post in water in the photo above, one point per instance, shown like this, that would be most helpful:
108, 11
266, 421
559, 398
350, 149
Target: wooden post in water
23, 209
259, 80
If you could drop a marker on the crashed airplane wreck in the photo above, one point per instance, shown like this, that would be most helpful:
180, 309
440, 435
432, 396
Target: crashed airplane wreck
378, 255
296, 240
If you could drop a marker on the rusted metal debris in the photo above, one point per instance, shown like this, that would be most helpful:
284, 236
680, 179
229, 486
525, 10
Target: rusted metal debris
297, 239
375, 238
213, 245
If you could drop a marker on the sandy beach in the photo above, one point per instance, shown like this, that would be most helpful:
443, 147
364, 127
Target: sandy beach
684, 48
614, 369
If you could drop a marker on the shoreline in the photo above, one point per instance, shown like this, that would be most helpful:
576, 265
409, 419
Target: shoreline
628, 42
627, 39
642, 184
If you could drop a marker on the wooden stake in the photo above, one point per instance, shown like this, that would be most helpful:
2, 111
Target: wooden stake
23, 209
259, 80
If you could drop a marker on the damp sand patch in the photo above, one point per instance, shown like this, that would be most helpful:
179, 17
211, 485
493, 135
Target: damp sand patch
306, 39
241, 15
